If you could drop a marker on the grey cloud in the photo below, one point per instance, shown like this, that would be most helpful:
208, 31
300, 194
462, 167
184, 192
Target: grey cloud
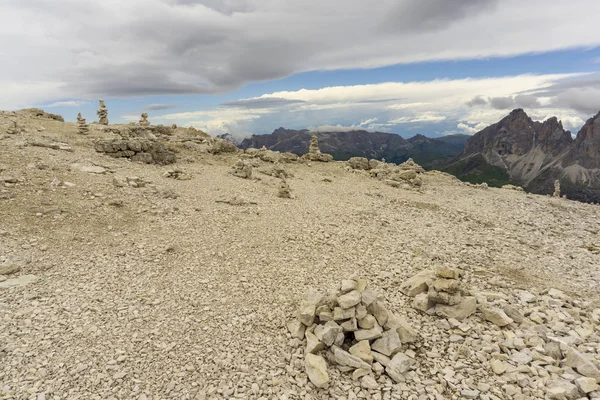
263, 102
502, 103
433, 15
477, 101
159, 107
581, 94
526, 100
227, 7
159, 47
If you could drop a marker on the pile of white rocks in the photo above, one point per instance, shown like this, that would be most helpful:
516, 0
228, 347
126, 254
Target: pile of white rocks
402, 175
487, 342
440, 293
355, 331
242, 169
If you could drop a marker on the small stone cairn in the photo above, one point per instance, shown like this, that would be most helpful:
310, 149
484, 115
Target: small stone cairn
144, 121
405, 174
102, 113
15, 128
440, 293
556, 188
314, 153
176, 173
82, 125
355, 331
284, 189
242, 169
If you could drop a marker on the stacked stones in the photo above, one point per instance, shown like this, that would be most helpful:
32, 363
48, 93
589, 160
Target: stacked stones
440, 293
144, 121
15, 129
82, 125
356, 332
242, 169
284, 189
391, 174
314, 153
140, 150
175, 173
556, 188
102, 114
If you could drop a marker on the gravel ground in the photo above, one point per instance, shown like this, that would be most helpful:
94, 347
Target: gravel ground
140, 296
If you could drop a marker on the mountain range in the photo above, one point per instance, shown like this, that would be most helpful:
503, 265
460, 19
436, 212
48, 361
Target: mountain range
428, 152
534, 154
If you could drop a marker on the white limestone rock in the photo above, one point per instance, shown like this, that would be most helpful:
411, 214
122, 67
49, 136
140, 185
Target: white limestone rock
313, 344
328, 333
418, 283
297, 329
398, 366
368, 334
316, 369
349, 299
496, 316
344, 358
389, 343
362, 350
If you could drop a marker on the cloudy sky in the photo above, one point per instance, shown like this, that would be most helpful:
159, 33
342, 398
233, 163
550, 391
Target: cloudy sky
434, 67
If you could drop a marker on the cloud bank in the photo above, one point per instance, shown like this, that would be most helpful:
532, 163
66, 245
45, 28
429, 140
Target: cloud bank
435, 107
87, 49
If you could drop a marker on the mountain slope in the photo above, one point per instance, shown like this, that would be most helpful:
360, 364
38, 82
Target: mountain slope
427, 152
534, 154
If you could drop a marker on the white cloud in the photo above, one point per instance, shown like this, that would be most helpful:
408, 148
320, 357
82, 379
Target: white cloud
70, 103
95, 49
441, 104
404, 106
468, 129
427, 117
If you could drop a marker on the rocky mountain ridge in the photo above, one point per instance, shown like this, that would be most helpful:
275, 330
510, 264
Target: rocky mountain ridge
534, 154
428, 152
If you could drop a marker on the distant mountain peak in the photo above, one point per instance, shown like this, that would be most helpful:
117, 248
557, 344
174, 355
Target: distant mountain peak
534, 155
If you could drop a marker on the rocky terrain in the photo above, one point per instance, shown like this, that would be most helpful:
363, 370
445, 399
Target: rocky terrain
534, 155
428, 152
149, 262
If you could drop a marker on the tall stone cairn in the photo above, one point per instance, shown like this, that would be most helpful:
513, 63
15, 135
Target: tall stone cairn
556, 188
314, 153
102, 113
82, 125
313, 148
144, 121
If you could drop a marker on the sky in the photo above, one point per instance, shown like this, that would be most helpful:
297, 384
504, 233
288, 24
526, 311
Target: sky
432, 67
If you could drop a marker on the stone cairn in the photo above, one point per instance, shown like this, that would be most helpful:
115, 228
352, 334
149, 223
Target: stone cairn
440, 293
556, 188
175, 173
314, 153
82, 125
242, 169
355, 331
284, 189
405, 174
15, 129
144, 121
102, 113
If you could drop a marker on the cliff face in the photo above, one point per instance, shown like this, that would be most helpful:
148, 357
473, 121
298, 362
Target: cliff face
534, 155
586, 148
